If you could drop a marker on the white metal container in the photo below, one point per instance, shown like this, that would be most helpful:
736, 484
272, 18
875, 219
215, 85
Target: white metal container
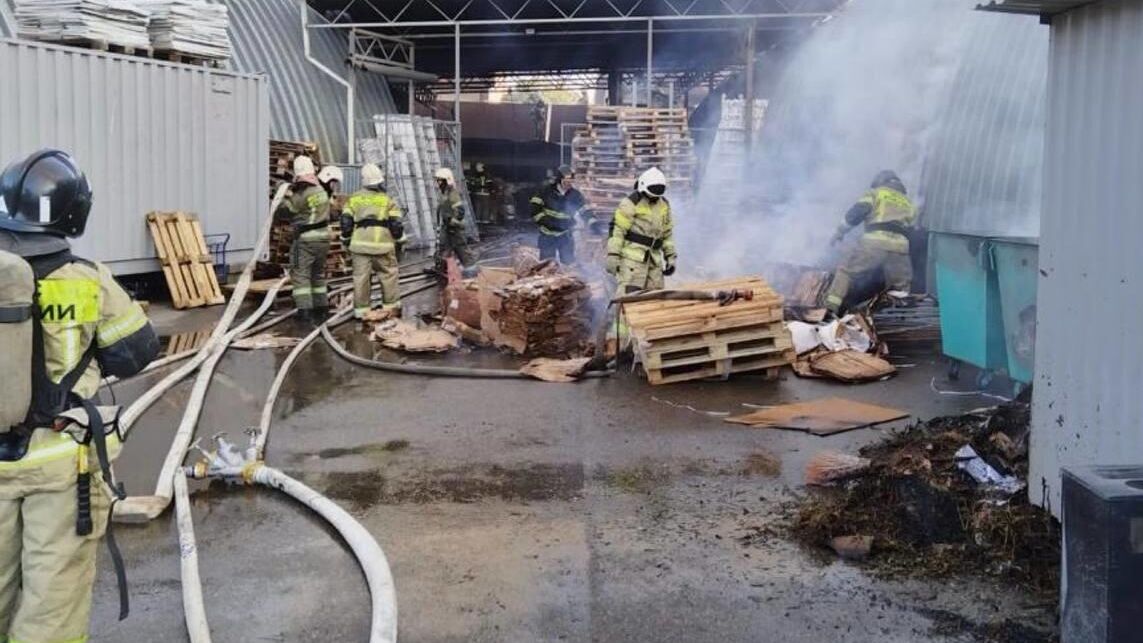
150, 135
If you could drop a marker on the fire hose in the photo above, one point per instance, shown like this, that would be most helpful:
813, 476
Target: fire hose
723, 297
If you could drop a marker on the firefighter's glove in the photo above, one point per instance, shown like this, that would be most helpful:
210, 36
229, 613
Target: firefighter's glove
669, 269
838, 236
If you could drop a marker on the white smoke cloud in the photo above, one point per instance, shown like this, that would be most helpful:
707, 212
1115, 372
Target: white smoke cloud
862, 93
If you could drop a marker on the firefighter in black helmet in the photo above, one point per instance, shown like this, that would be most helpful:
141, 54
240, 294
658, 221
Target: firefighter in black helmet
83, 327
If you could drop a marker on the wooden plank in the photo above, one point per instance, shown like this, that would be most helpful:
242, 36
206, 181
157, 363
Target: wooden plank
821, 417
723, 368
719, 351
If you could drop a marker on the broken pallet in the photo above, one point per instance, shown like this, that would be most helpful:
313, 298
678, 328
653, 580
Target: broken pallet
185, 260
677, 341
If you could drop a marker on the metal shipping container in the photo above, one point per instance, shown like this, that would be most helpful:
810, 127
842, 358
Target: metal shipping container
151, 136
1087, 407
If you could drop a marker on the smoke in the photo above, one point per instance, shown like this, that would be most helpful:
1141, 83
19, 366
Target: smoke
863, 92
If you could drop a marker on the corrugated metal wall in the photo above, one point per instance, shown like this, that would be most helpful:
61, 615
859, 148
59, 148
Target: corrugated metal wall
1087, 406
984, 171
150, 135
7, 19
305, 104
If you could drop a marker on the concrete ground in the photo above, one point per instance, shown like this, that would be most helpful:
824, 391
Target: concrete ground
522, 511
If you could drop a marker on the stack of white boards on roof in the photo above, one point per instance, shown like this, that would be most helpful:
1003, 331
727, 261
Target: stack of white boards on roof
88, 22
190, 27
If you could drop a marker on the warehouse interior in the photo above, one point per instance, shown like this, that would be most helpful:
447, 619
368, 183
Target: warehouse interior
627, 320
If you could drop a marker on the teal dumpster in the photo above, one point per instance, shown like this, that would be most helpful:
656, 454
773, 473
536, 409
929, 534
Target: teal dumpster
1017, 269
972, 328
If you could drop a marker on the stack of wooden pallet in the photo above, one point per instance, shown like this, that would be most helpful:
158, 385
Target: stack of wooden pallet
282, 154
677, 341
187, 264
282, 236
619, 143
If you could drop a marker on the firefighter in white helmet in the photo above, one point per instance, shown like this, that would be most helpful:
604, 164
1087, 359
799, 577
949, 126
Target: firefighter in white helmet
372, 228
641, 247
450, 220
307, 208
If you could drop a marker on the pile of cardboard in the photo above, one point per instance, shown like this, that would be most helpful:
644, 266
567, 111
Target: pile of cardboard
539, 316
85, 22
192, 27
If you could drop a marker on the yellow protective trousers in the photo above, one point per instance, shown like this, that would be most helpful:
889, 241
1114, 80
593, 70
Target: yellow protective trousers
46, 570
385, 265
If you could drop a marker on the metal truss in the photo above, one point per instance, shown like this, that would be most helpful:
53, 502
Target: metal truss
451, 13
582, 80
372, 47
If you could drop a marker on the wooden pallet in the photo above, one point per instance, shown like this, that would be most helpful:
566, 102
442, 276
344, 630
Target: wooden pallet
182, 342
110, 47
677, 341
282, 154
618, 143
176, 56
187, 264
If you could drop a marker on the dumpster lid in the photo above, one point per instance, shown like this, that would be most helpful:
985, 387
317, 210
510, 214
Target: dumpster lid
1027, 241
1109, 482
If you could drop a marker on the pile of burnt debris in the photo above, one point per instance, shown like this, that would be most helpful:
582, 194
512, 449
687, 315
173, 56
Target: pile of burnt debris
944, 497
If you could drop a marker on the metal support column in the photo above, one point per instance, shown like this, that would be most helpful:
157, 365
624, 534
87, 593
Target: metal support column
456, 72
351, 115
650, 53
614, 87
456, 87
748, 95
412, 98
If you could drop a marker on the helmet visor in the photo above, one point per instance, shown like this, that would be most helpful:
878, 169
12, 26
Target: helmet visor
656, 190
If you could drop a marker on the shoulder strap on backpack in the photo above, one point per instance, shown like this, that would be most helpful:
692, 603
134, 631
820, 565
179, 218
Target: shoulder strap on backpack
49, 399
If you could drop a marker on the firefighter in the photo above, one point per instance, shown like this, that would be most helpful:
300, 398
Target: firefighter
480, 186
307, 207
371, 225
71, 326
554, 209
641, 247
450, 220
888, 216
331, 179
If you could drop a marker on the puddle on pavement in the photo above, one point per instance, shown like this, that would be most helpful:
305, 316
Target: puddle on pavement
527, 483
392, 446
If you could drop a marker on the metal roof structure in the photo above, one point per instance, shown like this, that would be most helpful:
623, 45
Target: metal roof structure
1043, 8
499, 36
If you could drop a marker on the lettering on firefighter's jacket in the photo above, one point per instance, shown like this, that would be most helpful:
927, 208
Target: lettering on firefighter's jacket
58, 313
69, 301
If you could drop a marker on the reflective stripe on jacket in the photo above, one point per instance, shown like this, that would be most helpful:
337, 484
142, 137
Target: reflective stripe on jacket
644, 220
309, 208
888, 209
80, 305
554, 212
372, 205
450, 210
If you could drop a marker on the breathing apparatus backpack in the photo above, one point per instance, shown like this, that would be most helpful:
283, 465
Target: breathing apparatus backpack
30, 399
17, 303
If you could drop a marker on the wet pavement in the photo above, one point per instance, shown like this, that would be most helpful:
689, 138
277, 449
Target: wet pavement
524, 511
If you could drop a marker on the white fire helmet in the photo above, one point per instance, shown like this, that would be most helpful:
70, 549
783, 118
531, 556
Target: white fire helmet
445, 175
303, 166
652, 183
371, 174
331, 173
